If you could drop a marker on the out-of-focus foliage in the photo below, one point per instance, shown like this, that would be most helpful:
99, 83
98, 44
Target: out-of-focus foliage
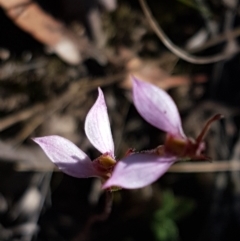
172, 210
200, 7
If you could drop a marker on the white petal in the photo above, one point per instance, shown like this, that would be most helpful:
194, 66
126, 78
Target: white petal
97, 126
139, 170
67, 156
157, 107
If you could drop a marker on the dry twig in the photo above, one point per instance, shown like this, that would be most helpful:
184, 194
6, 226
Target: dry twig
217, 40
76, 88
175, 49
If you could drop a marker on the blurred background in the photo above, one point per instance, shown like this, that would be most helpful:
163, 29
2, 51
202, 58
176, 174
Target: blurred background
54, 55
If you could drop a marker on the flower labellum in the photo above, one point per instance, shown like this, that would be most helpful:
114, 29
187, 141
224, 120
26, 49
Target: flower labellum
72, 160
157, 107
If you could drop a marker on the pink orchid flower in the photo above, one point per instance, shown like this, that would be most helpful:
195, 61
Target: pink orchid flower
72, 160
157, 107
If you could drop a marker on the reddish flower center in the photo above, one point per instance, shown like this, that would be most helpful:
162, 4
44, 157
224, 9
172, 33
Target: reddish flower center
188, 148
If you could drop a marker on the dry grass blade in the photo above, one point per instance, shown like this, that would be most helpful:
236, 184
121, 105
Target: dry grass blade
81, 86
190, 167
217, 166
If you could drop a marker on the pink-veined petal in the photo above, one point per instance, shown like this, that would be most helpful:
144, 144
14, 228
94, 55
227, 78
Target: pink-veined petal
97, 126
67, 156
157, 107
138, 170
